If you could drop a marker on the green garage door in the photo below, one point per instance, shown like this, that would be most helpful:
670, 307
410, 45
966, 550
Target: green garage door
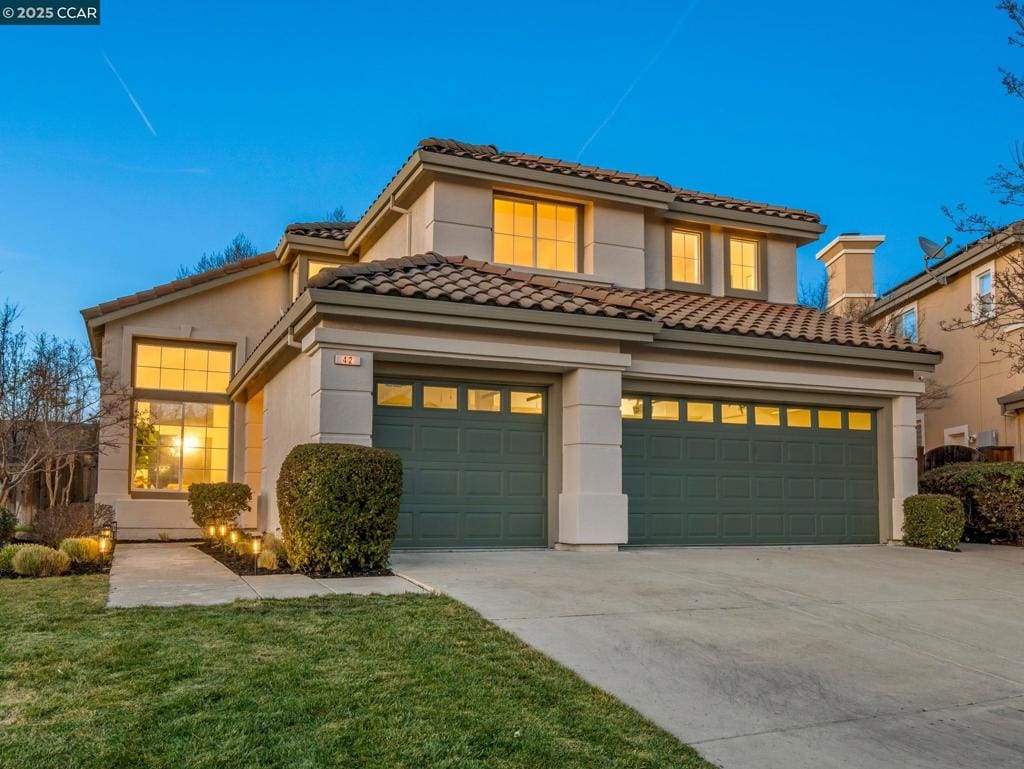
474, 459
703, 472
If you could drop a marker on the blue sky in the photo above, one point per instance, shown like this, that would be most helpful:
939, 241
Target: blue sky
873, 114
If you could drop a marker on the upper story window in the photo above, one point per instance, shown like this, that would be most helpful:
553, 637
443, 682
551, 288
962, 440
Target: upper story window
176, 367
182, 427
687, 257
536, 233
984, 295
744, 263
904, 324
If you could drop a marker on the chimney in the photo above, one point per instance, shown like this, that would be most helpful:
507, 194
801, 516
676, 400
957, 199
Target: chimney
849, 265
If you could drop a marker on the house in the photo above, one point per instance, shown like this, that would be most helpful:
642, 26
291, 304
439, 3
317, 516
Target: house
562, 355
981, 399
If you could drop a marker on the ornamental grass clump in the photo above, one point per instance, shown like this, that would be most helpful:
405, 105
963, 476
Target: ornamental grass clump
339, 507
934, 521
7, 556
81, 549
40, 561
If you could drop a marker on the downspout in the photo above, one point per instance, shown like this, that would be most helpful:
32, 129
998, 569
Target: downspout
291, 341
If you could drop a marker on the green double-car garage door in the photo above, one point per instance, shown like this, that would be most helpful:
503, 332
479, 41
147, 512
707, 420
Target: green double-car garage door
475, 462
696, 471
708, 472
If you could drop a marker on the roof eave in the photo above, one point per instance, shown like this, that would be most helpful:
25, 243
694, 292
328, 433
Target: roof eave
762, 346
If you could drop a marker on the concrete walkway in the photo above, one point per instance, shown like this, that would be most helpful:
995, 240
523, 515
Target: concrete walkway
177, 574
779, 658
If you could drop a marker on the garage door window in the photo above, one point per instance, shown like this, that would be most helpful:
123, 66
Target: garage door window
700, 412
859, 420
665, 410
798, 417
440, 397
830, 420
734, 414
632, 408
484, 400
767, 416
394, 395
526, 402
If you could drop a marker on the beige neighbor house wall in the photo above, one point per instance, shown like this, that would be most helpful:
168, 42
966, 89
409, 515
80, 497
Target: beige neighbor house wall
970, 372
236, 313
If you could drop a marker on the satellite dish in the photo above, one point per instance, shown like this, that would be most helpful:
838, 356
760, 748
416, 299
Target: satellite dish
932, 251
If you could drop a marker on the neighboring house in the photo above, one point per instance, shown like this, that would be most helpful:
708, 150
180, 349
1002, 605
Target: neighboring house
576, 357
983, 399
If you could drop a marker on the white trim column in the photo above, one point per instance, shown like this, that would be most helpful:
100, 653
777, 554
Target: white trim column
904, 458
592, 510
341, 395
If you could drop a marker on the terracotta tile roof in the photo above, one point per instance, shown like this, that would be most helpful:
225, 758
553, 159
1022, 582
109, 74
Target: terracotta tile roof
491, 153
751, 317
329, 230
178, 285
460, 279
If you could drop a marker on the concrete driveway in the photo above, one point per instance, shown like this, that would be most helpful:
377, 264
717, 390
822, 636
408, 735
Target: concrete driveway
779, 657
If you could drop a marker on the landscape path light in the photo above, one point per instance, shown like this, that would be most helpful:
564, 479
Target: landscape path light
257, 547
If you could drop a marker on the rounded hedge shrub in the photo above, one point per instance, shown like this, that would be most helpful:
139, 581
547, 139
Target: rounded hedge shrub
40, 561
992, 494
218, 502
81, 549
7, 555
339, 506
934, 521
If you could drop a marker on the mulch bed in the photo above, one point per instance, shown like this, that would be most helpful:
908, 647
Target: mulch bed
242, 565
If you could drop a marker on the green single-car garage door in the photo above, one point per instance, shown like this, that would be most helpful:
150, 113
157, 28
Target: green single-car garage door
474, 459
707, 472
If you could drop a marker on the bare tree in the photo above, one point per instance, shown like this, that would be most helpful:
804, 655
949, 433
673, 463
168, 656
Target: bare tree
1007, 183
336, 214
238, 249
814, 294
51, 406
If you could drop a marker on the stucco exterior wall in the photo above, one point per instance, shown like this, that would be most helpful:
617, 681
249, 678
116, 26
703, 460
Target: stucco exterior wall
286, 424
970, 372
237, 313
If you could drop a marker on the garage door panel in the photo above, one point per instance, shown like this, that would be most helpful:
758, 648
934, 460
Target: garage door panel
732, 450
701, 486
700, 449
481, 483
756, 483
768, 452
433, 482
522, 483
470, 478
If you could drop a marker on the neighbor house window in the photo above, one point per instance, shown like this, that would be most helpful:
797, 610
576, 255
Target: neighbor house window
182, 415
984, 296
687, 257
534, 233
904, 324
744, 264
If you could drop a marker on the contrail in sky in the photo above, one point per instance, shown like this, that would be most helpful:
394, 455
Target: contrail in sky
650, 63
127, 90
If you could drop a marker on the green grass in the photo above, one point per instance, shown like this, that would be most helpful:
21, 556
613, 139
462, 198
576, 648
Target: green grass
345, 681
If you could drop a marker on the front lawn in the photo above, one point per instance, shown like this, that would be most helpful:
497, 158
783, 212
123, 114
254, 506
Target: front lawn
380, 681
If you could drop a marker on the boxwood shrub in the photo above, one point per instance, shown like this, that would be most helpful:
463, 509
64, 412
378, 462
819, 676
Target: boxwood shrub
992, 494
8, 525
218, 502
339, 506
935, 521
